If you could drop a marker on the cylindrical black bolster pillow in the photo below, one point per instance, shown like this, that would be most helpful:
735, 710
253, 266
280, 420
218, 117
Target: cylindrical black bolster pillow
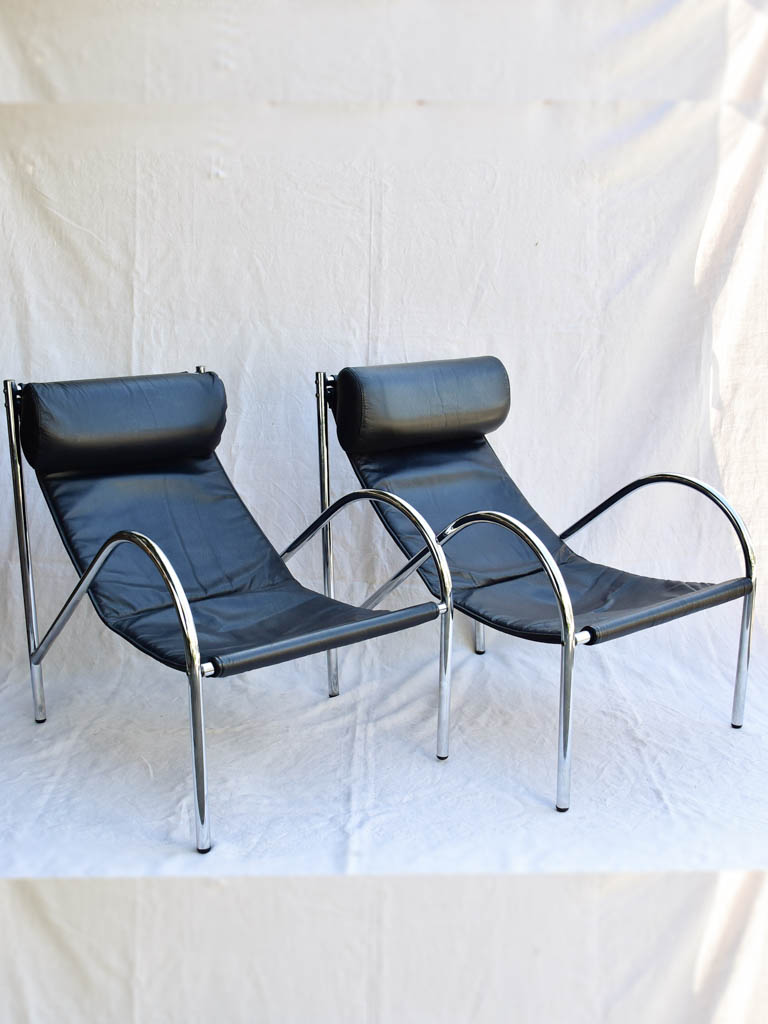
404, 404
91, 425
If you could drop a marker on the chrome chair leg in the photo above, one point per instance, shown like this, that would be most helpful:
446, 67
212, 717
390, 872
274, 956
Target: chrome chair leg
321, 388
444, 685
12, 393
742, 668
564, 729
38, 693
332, 658
479, 637
197, 731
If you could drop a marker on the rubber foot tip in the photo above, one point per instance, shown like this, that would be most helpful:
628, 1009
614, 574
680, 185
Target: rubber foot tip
442, 757
561, 809
735, 726
479, 652
206, 850
39, 721
332, 695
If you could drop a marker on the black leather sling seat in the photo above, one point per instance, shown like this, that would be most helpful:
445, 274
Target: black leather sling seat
138, 454
418, 430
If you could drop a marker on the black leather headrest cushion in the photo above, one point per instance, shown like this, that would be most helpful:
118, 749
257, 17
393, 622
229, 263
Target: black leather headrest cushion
92, 425
378, 408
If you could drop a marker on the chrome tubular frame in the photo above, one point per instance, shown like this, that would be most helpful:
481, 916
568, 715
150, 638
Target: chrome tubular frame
191, 653
38, 650
745, 632
12, 398
569, 637
445, 607
322, 382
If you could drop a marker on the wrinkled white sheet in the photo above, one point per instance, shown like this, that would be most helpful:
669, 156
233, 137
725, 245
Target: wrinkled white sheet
271, 193
620, 949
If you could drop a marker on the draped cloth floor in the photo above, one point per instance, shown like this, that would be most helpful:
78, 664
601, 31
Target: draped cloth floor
393, 886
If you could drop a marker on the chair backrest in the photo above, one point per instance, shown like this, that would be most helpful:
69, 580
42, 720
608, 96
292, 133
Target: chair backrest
418, 429
138, 453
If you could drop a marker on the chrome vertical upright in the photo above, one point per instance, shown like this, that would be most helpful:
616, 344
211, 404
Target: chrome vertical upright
199, 768
742, 667
444, 680
563, 801
322, 382
479, 637
12, 399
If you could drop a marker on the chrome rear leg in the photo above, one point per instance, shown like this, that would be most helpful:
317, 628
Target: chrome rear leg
564, 728
12, 399
321, 387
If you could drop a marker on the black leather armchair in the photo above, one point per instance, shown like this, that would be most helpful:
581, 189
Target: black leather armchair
418, 430
169, 555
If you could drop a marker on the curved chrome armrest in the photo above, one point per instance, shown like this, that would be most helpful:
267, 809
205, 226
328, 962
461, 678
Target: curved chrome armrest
686, 481
169, 577
543, 554
521, 530
433, 548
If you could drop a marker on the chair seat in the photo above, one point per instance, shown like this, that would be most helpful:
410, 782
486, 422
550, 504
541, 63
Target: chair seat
496, 578
609, 602
250, 629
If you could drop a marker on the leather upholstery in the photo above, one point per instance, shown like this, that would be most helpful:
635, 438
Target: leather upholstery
123, 421
497, 579
347, 626
247, 607
378, 408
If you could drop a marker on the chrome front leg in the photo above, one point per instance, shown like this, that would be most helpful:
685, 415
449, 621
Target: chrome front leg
742, 668
200, 773
479, 637
444, 685
563, 801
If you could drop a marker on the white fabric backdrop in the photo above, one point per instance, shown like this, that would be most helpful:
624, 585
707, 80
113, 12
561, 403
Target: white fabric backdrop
620, 949
277, 188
